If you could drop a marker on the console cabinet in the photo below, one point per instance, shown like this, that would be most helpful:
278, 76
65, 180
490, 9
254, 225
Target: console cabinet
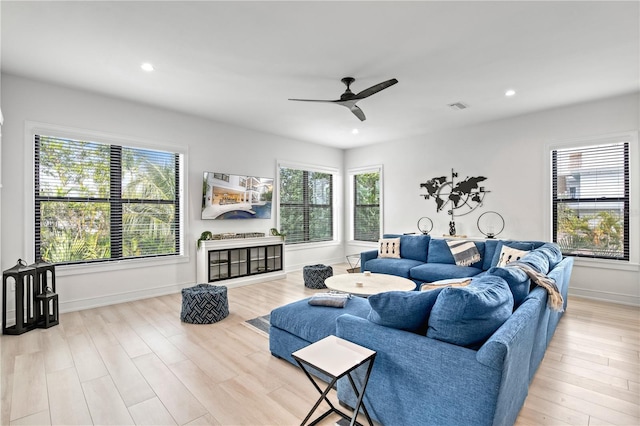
240, 261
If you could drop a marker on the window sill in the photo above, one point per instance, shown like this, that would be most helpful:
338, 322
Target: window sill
308, 246
92, 268
371, 244
618, 265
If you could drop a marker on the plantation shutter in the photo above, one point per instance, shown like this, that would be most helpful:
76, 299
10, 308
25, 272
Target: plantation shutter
591, 200
306, 205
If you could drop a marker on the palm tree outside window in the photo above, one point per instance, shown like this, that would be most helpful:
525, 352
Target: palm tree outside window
101, 202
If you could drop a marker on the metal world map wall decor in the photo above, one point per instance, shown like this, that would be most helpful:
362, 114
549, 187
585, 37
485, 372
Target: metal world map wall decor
459, 197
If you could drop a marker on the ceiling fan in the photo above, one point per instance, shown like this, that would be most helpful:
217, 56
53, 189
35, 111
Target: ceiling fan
349, 99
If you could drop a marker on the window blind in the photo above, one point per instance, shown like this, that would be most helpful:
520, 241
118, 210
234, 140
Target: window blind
366, 214
591, 200
100, 202
306, 205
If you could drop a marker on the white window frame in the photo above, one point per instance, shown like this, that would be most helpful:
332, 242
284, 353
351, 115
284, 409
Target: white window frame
337, 204
351, 173
634, 199
34, 128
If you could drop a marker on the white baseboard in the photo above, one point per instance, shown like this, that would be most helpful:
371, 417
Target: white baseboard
298, 267
130, 296
105, 300
605, 296
112, 299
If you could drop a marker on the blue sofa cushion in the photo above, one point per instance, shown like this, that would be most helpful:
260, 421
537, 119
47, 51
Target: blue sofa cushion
430, 272
537, 260
468, 316
312, 323
439, 252
489, 251
404, 310
399, 267
553, 253
518, 282
412, 247
518, 245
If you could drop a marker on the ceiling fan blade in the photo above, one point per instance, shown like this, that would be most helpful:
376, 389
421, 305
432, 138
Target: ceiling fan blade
311, 100
375, 89
358, 112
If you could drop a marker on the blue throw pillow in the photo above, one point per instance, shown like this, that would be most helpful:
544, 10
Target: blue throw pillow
404, 310
468, 316
553, 253
537, 260
518, 282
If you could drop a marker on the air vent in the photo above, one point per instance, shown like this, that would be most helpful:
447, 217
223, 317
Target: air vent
458, 106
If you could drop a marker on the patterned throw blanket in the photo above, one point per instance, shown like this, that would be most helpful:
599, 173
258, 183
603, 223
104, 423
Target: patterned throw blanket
464, 253
555, 300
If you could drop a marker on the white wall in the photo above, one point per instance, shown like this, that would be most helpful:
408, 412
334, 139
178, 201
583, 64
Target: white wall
211, 147
511, 154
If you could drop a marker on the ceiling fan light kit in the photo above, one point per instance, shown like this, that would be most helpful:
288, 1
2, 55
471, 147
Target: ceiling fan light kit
349, 99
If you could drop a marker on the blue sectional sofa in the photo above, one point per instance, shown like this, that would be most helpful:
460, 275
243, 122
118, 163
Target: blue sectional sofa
425, 259
451, 356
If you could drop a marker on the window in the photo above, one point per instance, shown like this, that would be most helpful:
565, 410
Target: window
100, 202
366, 205
590, 196
306, 205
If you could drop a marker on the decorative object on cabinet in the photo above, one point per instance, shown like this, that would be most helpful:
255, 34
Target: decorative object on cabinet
490, 224
205, 236
276, 233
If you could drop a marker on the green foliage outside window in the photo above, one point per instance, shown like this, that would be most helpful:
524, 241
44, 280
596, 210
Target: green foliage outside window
98, 202
597, 234
306, 205
366, 221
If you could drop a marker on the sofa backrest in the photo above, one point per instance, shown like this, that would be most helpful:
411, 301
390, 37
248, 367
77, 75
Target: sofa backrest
496, 246
412, 246
439, 252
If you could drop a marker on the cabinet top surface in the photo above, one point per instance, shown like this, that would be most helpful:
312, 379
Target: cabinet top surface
239, 242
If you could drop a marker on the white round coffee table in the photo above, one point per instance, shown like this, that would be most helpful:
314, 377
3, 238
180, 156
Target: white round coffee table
371, 283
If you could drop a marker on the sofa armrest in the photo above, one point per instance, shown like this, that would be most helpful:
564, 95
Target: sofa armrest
515, 335
561, 273
510, 348
366, 256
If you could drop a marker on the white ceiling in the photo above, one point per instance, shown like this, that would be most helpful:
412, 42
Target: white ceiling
239, 62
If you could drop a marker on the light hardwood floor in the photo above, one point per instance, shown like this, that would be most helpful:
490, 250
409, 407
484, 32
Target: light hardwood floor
136, 363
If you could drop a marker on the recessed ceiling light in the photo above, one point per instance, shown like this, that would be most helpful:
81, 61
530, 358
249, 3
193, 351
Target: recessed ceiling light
355, 131
510, 92
147, 67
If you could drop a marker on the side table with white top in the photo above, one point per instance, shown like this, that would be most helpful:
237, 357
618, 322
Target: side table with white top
336, 358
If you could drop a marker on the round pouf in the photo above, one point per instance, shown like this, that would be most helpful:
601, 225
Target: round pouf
314, 275
204, 304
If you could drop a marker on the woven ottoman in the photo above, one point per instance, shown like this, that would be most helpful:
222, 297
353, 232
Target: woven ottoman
314, 275
204, 304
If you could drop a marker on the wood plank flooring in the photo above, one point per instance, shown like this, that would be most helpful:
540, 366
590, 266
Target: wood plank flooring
136, 363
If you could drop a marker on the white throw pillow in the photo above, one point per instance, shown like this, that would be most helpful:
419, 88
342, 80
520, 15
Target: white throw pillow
509, 254
389, 247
